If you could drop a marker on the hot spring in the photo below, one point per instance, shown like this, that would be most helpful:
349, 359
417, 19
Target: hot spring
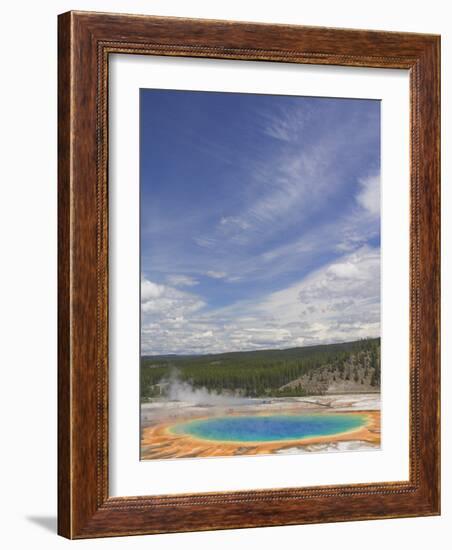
270, 428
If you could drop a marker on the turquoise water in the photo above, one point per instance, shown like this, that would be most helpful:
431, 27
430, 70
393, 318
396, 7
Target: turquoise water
270, 428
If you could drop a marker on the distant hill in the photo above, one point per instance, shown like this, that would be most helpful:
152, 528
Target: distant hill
331, 368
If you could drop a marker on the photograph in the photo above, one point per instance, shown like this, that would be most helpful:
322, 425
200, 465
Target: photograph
260, 274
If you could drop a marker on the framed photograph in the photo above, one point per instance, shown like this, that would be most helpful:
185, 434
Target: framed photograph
248, 275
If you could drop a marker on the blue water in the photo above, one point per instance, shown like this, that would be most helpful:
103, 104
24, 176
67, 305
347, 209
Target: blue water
270, 428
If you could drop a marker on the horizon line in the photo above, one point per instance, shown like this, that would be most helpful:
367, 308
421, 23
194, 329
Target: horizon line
259, 349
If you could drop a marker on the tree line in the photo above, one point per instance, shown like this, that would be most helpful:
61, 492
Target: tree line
260, 373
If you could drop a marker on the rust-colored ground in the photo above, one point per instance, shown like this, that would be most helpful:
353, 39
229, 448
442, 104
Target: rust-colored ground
158, 442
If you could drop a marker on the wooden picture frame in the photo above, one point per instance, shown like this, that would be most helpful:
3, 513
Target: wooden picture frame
86, 40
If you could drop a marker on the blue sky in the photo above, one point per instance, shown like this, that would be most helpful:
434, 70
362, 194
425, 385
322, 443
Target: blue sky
260, 220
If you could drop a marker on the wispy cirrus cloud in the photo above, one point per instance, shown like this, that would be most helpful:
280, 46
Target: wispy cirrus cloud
216, 274
181, 280
285, 123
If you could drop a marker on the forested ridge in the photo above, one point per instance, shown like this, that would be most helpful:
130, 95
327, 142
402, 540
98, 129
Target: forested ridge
351, 366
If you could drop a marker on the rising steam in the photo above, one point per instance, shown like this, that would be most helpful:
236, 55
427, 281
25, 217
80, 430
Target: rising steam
178, 390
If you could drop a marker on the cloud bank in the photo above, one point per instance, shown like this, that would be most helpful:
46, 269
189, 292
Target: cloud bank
338, 302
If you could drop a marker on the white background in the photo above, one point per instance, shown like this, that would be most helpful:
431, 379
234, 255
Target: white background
28, 271
128, 476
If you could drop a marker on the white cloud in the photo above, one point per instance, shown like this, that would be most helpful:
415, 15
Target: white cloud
150, 291
166, 303
369, 195
181, 280
344, 270
216, 274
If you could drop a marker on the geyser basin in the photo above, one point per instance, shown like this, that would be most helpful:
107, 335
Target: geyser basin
270, 428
